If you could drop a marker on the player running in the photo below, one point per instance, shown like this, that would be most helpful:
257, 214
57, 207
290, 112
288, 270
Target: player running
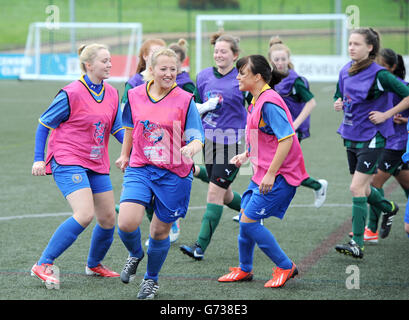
81, 117
362, 95
163, 133
276, 173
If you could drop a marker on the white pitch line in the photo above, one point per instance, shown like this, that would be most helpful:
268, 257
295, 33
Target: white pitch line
59, 214
41, 215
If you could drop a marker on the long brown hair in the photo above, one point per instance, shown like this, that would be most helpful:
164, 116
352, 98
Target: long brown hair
233, 41
371, 38
144, 51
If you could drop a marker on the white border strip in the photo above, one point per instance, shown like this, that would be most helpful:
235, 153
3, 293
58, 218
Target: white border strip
60, 214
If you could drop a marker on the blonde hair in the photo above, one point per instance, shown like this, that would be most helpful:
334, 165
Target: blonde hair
144, 51
276, 44
88, 53
147, 74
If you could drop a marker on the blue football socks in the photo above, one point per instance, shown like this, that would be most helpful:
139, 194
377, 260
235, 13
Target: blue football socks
157, 253
62, 239
246, 251
101, 241
266, 242
132, 241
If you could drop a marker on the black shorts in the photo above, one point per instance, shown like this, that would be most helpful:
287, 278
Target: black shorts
217, 160
364, 160
391, 162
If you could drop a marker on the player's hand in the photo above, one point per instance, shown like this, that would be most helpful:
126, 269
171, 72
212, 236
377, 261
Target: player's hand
191, 148
207, 106
187, 151
122, 162
239, 159
267, 183
338, 105
399, 119
38, 168
377, 117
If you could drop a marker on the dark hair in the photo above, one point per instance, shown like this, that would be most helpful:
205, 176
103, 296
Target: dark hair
400, 70
393, 61
371, 38
258, 64
389, 56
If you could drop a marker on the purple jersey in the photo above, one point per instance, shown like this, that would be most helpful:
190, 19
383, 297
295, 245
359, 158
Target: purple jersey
136, 80
398, 140
183, 78
227, 122
284, 89
356, 125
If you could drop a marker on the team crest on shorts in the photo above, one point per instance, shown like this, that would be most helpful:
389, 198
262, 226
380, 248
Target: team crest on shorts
76, 178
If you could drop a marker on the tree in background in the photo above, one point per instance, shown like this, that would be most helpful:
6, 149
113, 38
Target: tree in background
209, 4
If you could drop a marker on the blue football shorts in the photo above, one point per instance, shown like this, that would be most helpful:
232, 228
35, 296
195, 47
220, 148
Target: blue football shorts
258, 206
169, 193
73, 178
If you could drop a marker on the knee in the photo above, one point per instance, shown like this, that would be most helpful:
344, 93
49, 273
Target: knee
159, 231
228, 196
84, 218
130, 216
107, 221
127, 225
357, 191
215, 194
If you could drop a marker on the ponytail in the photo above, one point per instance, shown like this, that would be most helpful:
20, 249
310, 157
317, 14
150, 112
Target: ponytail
400, 70
87, 54
276, 44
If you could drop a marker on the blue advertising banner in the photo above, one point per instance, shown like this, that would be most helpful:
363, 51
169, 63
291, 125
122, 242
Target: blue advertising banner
13, 64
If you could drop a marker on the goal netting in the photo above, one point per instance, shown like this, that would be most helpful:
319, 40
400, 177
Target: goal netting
51, 51
318, 42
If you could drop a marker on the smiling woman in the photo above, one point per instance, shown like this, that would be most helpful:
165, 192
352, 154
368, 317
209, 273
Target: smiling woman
222, 107
163, 71
95, 60
276, 173
163, 133
81, 117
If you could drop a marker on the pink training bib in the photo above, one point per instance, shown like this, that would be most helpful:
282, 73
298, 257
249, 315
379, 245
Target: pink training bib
83, 139
262, 146
158, 130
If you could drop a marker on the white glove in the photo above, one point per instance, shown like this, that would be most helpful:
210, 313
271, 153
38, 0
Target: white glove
209, 105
